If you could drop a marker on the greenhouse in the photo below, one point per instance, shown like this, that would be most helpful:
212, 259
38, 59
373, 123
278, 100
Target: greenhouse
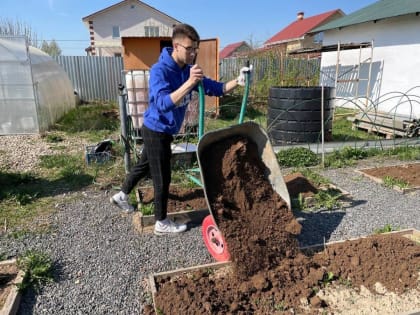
34, 90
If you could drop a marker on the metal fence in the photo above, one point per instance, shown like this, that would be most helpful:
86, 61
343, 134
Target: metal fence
275, 67
94, 77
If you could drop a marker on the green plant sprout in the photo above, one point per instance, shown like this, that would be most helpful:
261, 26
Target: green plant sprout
386, 229
38, 269
390, 182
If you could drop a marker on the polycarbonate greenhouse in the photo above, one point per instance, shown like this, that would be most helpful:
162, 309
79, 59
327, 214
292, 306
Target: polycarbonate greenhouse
34, 90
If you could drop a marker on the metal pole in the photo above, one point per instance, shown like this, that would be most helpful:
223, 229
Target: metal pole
322, 126
123, 119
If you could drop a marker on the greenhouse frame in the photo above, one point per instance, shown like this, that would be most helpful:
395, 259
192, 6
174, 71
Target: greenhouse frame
34, 90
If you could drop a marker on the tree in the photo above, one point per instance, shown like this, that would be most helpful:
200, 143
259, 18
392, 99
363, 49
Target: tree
51, 49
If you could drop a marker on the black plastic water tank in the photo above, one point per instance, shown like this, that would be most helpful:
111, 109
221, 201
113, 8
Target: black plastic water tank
295, 114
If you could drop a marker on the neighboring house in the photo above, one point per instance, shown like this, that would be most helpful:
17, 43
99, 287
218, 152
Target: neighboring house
128, 18
296, 35
384, 74
235, 49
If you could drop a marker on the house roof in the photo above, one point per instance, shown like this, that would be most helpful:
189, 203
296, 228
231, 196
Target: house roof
88, 17
230, 49
299, 28
379, 10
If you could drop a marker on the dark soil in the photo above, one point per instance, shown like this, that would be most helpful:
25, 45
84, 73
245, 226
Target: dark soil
271, 275
180, 198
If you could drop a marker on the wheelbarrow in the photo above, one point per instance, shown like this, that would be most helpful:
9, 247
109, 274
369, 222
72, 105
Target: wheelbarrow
213, 237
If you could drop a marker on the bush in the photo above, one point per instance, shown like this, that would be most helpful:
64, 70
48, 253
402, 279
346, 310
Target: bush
297, 157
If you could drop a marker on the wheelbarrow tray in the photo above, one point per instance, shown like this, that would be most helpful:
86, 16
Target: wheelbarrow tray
255, 133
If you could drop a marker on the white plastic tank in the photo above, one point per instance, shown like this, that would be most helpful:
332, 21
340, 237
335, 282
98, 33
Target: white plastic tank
137, 83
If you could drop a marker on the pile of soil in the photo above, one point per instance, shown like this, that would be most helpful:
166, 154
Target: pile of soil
270, 274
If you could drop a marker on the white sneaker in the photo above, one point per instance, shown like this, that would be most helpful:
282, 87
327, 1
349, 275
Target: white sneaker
168, 226
121, 203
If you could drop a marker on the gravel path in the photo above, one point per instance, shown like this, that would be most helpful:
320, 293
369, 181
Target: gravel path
102, 262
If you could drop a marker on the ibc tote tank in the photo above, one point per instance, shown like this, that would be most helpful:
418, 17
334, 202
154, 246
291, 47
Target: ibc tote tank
137, 82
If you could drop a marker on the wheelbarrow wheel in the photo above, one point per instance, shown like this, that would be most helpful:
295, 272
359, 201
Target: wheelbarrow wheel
213, 238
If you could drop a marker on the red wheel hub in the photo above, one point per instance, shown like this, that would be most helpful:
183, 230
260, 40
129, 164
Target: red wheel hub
214, 240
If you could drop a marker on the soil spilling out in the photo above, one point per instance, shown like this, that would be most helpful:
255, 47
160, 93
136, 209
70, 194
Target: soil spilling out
270, 274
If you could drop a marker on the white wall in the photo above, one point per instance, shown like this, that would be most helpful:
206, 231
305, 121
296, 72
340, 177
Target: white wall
395, 66
131, 19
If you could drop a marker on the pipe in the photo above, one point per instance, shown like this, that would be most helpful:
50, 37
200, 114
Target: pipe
123, 119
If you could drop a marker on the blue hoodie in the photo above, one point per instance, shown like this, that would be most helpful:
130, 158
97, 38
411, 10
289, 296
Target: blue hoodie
166, 76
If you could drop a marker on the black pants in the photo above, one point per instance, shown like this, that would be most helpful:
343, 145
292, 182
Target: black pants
156, 158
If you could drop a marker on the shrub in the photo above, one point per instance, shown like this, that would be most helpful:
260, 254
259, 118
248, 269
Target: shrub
297, 157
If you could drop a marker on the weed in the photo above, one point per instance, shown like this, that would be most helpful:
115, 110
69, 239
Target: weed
385, 229
89, 118
280, 306
53, 138
313, 176
38, 270
147, 209
389, 181
328, 278
346, 282
297, 157
328, 199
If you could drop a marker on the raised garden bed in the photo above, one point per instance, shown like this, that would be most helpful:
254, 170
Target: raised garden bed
10, 276
363, 268
184, 204
408, 174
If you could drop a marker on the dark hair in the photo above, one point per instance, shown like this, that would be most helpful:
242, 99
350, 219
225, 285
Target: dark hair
185, 30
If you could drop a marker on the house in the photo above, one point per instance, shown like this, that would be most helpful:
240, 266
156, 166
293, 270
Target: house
379, 69
128, 18
235, 49
296, 35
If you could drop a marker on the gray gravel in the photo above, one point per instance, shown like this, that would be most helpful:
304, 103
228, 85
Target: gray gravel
102, 261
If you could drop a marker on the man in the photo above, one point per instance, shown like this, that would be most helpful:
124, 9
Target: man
172, 80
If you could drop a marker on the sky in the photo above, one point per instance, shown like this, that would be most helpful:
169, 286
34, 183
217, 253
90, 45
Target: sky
228, 20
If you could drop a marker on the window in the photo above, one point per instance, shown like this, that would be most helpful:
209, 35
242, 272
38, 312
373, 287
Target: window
115, 32
151, 31
319, 38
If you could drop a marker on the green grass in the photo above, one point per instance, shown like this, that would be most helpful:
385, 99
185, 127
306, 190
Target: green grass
386, 229
389, 181
297, 157
342, 127
91, 118
37, 268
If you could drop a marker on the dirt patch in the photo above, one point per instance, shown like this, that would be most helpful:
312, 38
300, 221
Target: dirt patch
271, 275
409, 173
180, 198
298, 184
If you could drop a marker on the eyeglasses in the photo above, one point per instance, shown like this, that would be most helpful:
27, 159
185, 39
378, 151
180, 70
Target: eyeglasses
190, 49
